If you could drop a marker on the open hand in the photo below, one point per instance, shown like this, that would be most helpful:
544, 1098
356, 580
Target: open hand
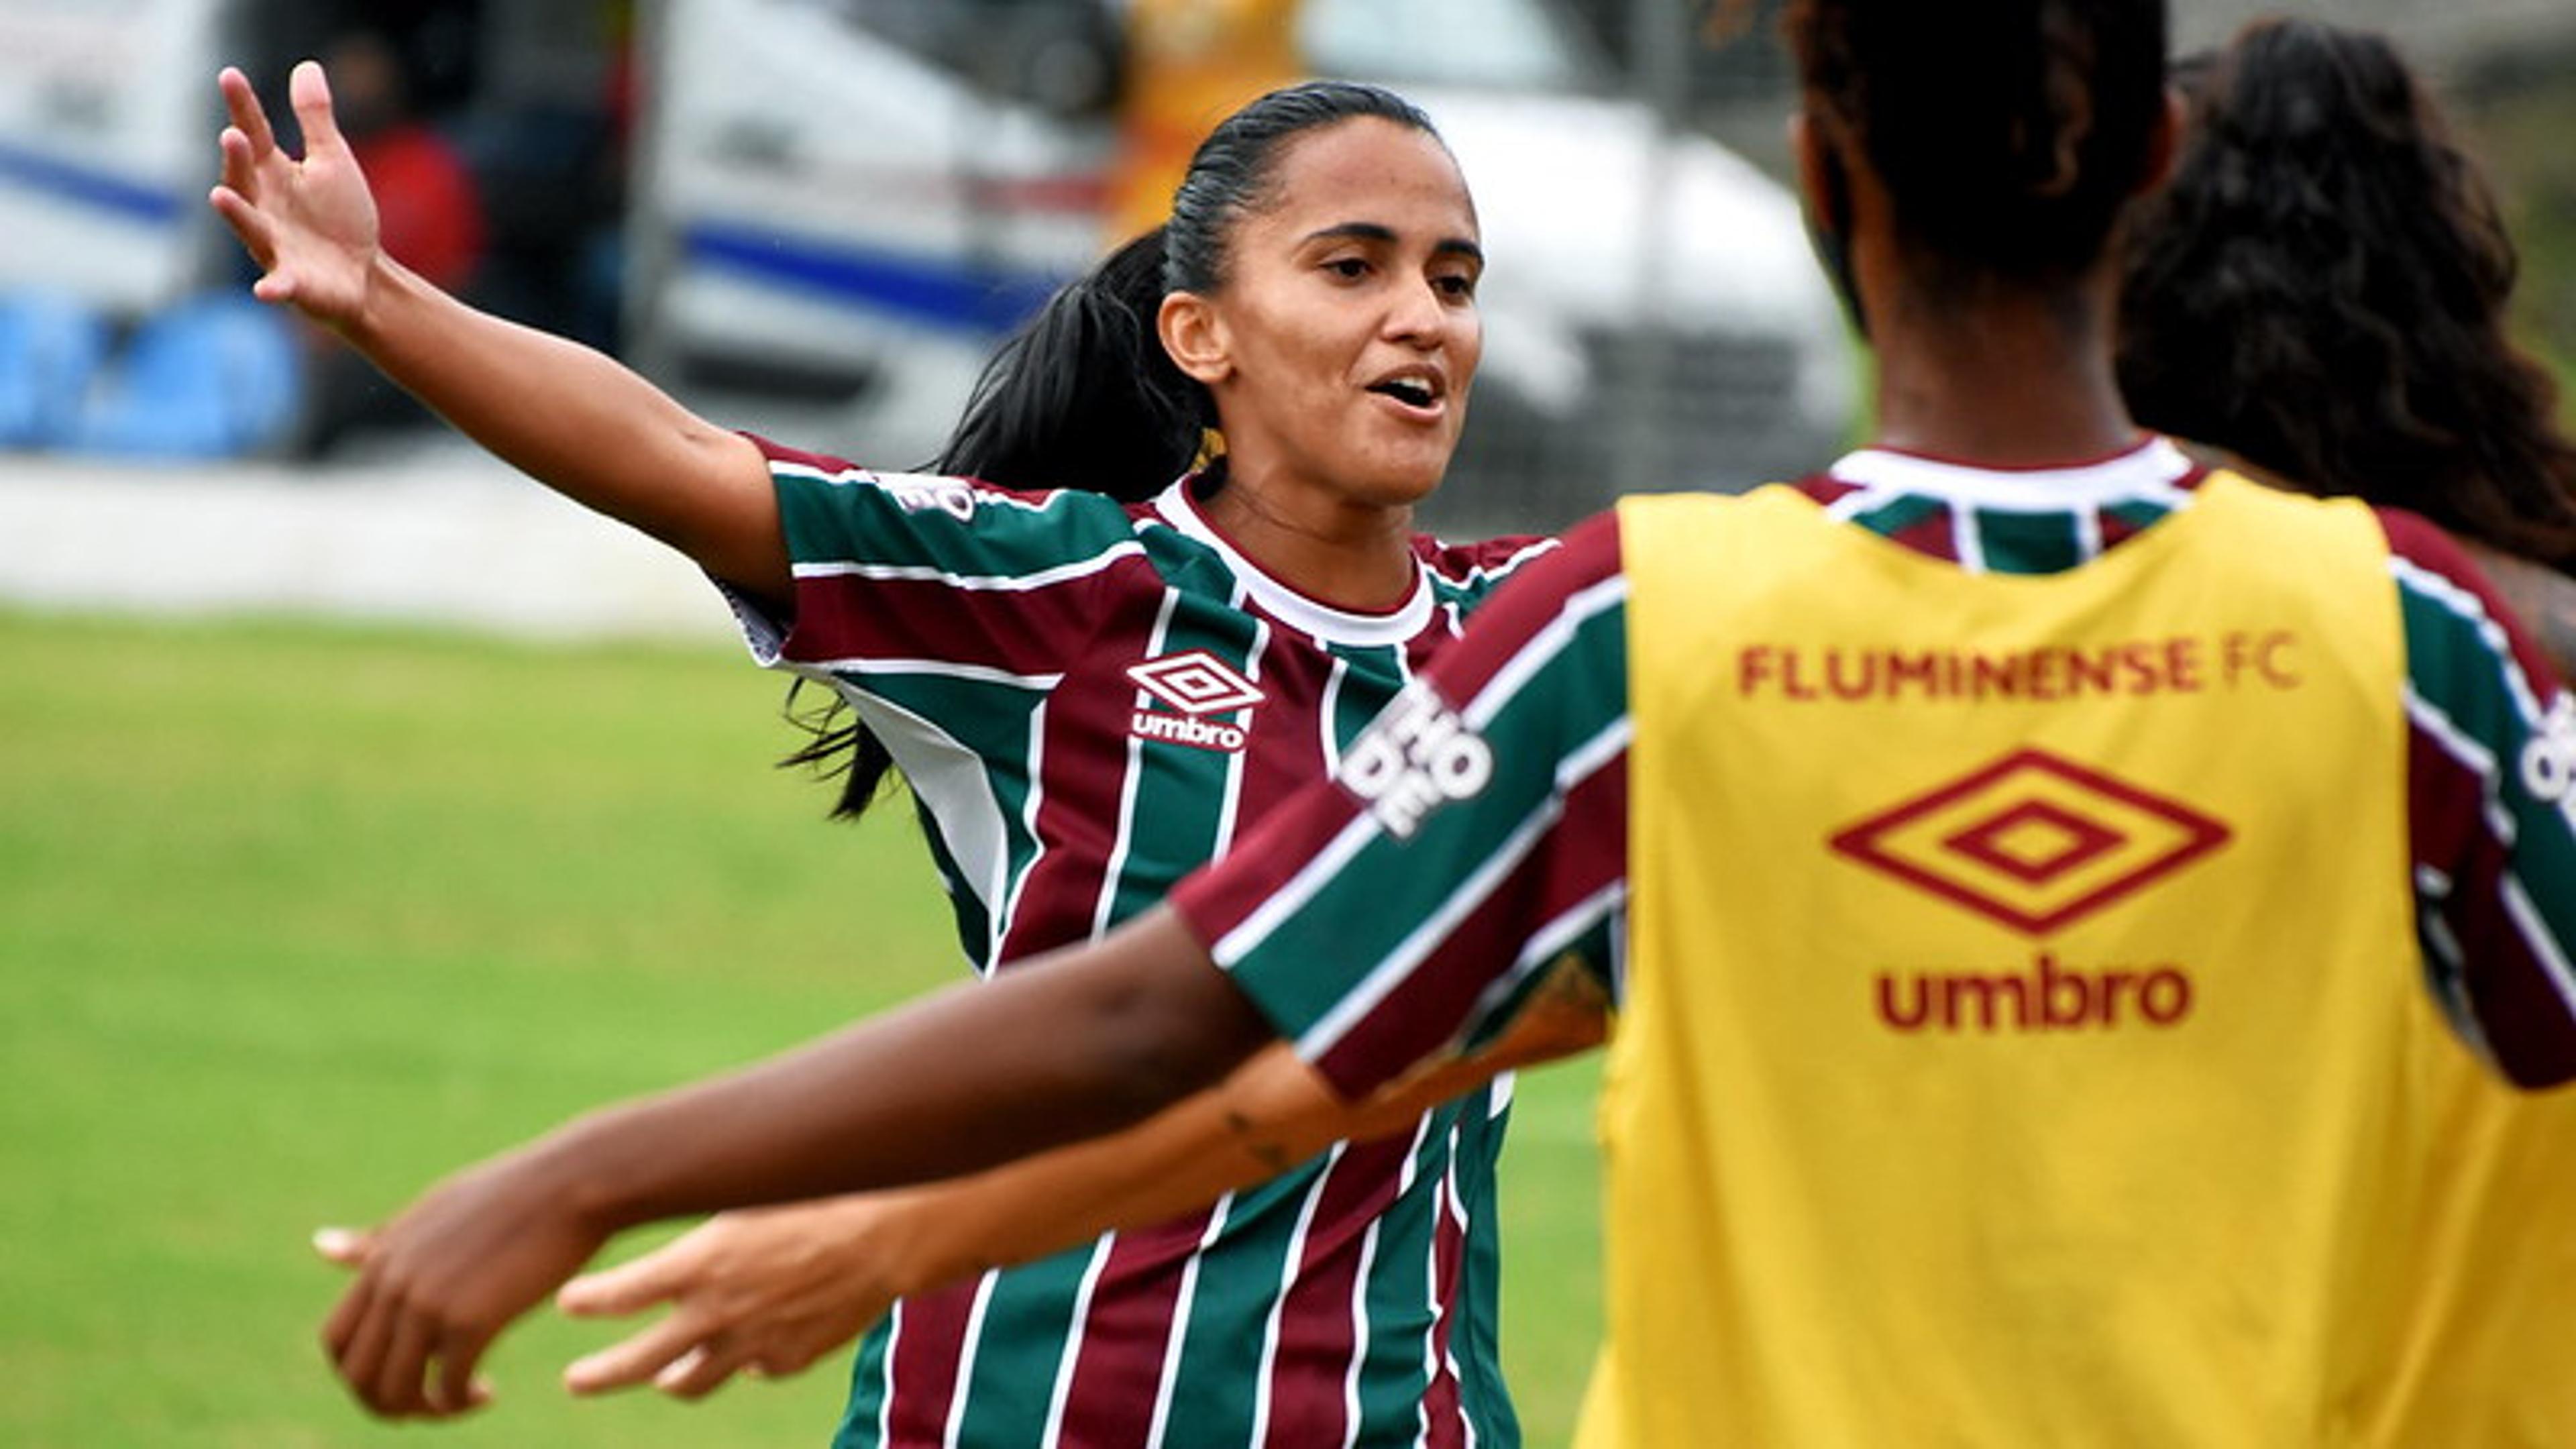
309, 224
764, 1292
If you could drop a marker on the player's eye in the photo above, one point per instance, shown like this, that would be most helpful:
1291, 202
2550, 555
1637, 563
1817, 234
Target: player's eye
1349, 269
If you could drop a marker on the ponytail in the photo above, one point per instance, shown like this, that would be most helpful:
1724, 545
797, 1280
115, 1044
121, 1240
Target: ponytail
1082, 396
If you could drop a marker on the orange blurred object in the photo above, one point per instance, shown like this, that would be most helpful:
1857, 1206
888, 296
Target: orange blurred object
1189, 64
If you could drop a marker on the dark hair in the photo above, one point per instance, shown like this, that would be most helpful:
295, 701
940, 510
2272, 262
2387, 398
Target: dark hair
2010, 134
1083, 395
2322, 292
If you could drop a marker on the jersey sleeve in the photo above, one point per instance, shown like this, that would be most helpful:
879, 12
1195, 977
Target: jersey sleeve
1472, 841
2491, 776
898, 571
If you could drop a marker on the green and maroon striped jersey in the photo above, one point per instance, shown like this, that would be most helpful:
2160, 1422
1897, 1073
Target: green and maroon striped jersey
1479, 832
1090, 699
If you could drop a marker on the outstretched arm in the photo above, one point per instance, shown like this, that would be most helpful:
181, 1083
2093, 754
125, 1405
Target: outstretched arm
771, 1290
574, 419
964, 1080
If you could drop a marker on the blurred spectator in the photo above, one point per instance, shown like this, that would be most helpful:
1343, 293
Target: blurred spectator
430, 214
429, 207
549, 140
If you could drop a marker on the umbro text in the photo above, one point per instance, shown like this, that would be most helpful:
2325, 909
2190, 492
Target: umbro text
1182, 729
2048, 997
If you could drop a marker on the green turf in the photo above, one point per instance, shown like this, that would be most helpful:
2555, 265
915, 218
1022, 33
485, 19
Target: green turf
294, 919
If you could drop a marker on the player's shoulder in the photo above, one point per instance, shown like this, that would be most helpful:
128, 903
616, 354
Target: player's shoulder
1571, 567
964, 498
1483, 563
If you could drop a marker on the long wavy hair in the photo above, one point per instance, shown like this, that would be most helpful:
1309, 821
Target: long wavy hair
2322, 291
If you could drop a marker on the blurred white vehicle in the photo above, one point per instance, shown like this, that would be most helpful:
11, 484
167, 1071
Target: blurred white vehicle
859, 196
104, 147
842, 204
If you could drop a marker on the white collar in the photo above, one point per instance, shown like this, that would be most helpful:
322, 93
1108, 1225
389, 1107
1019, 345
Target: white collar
1299, 611
2148, 471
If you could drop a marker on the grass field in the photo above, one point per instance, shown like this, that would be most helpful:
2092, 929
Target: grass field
294, 919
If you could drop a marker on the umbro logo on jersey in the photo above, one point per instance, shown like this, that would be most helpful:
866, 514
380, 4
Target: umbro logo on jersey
1197, 684
2032, 841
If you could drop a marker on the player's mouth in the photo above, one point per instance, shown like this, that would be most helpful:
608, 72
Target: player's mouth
1419, 392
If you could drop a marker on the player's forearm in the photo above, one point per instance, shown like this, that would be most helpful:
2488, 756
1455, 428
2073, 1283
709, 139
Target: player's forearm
1268, 1115
1271, 1113
962, 1081
581, 423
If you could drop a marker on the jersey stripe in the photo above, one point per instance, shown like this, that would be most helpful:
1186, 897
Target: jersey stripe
966, 1356
1295, 1276
1028, 583
1119, 1369
1073, 1341
1442, 1424
2473, 701
1177, 1335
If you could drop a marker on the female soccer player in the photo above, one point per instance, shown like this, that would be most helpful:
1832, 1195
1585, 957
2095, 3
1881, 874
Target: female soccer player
1089, 691
2322, 292
2030, 853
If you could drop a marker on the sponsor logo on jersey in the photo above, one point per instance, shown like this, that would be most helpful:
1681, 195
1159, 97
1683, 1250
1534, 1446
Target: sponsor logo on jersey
2032, 841
2549, 761
2049, 996
1417, 757
1197, 684
917, 492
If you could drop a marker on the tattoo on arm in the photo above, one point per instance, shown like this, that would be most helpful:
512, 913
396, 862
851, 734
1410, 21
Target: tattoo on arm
1264, 1149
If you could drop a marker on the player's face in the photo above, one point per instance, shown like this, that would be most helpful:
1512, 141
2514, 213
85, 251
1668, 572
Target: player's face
1348, 319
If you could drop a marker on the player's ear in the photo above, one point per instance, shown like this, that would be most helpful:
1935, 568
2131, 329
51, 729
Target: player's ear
2164, 145
1194, 333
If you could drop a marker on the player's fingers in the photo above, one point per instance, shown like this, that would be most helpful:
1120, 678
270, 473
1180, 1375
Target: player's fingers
348, 1247
342, 1326
397, 1382
241, 103
703, 1370
627, 1288
634, 1360
786, 1359
241, 169
363, 1355
457, 1390
248, 225
310, 91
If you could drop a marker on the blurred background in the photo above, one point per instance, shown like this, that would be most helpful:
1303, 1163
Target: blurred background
414, 812
814, 217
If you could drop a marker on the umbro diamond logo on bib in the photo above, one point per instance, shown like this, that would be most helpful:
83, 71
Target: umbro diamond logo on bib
2033, 841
